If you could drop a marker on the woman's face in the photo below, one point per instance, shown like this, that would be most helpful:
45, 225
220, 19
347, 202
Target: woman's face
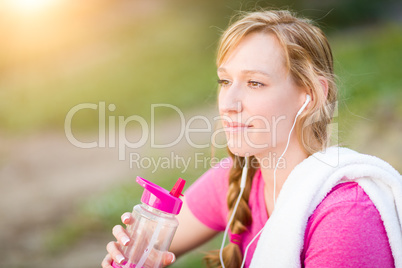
258, 99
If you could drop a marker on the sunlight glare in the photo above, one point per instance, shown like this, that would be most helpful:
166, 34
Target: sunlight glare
30, 6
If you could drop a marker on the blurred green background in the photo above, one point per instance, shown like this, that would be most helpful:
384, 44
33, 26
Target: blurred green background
59, 202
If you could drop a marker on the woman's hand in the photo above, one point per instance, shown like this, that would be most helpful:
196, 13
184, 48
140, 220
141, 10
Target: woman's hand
114, 247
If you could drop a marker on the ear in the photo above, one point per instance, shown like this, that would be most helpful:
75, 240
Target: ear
324, 85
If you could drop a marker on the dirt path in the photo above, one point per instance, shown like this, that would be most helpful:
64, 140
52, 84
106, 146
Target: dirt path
42, 179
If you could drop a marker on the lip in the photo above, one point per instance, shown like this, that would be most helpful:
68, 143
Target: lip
235, 126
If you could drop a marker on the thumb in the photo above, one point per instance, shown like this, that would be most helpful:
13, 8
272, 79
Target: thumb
168, 258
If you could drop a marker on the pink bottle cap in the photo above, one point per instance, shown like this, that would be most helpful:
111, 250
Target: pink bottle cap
160, 198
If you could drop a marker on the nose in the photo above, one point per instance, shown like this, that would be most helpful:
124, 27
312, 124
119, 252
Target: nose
230, 101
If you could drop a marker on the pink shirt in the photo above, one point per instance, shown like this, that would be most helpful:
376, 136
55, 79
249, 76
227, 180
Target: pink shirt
345, 230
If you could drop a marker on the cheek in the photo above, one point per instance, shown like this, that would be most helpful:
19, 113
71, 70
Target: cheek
271, 121
269, 108
221, 98
260, 108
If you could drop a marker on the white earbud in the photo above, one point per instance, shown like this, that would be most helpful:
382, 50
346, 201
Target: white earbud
308, 99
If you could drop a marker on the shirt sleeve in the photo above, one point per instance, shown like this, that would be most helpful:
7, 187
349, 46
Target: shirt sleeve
346, 233
206, 198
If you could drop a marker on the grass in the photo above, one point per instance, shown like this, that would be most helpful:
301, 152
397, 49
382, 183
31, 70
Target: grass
367, 63
149, 62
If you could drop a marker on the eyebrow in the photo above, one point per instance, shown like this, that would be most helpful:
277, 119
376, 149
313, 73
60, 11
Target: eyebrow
221, 69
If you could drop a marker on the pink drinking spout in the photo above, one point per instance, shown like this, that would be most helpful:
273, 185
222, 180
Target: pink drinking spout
160, 198
178, 188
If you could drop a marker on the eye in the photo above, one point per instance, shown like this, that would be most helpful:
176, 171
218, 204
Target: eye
255, 84
223, 82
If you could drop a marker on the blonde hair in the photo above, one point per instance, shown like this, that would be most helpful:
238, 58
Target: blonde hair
308, 58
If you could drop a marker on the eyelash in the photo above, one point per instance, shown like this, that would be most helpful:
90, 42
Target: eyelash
259, 85
224, 83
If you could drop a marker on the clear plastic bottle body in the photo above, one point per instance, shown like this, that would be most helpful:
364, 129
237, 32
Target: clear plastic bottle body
150, 237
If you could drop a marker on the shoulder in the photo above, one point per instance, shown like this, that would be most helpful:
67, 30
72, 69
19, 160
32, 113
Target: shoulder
346, 204
344, 194
346, 230
206, 197
215, 177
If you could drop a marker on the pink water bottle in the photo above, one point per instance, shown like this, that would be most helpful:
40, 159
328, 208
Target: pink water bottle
154, 225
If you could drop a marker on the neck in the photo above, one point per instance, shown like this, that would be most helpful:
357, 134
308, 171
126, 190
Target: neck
293, 156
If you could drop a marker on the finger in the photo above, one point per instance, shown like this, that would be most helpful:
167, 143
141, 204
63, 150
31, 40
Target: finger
107, 262
112, 248
168, 258
127, 218
120, 233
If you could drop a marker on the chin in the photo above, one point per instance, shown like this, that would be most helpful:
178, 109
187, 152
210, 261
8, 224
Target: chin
241, 151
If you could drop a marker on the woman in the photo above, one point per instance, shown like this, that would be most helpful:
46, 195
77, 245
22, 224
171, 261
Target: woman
277, 96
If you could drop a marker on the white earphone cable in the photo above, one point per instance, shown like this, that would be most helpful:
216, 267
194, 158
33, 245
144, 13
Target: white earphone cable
243, 183
277, 162
249, 244
242, 186
276, 167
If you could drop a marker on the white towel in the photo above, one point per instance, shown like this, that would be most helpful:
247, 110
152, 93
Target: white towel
281, 241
